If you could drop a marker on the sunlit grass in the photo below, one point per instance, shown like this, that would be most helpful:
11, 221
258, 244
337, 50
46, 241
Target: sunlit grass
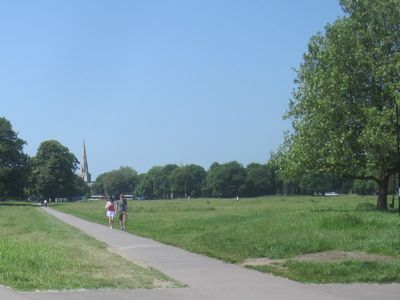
274, 227
38, 252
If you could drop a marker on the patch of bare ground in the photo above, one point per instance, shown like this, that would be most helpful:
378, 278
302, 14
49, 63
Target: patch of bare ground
161, 284
327, 256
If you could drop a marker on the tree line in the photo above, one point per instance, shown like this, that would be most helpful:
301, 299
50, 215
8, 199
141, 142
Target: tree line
172, 181
49, 174
226, 180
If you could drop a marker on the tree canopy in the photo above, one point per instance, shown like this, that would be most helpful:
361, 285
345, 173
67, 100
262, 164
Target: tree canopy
52, 171
13, 161
260, 180
344, 107
187, 180
124, 180
226, 180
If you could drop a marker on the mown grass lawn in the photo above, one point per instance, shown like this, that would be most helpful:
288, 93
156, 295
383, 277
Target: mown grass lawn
274, 227
38, 252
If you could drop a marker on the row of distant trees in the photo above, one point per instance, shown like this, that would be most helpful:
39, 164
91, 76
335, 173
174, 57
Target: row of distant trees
222, 181
51, 174
173, 181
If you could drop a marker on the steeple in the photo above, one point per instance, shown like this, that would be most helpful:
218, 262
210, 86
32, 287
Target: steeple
84, 166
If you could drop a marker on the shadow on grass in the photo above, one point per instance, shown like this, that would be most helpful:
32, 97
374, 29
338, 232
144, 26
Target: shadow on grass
5, 203
56, 204
362, 207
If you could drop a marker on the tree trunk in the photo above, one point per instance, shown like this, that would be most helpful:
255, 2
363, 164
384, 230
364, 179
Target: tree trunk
382, 196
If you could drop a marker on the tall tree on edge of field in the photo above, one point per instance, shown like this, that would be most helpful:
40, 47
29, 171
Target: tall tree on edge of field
344, 108
13, 162
52, 171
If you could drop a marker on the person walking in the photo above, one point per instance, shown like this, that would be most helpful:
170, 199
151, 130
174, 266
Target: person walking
122, 208
110, 212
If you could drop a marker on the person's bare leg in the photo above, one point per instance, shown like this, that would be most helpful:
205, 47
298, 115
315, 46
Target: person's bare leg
123, 220
111, 222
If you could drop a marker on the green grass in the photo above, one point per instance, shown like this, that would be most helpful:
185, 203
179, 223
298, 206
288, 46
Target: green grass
344, 272
274, 227
38, 252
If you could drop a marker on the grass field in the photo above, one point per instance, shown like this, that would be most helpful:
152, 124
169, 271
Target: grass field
273, 227
38, 252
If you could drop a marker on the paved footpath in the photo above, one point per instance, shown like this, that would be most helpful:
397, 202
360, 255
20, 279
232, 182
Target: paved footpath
205, 277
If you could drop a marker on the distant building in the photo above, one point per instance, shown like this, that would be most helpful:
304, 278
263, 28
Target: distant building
84, 166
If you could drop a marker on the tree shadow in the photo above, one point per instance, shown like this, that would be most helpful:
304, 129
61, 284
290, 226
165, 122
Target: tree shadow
55, 204
17, 204
357, 209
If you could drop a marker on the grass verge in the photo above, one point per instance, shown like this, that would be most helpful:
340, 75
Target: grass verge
339, 272
38, 252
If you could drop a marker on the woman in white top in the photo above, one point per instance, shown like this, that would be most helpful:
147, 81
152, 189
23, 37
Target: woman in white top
110, 212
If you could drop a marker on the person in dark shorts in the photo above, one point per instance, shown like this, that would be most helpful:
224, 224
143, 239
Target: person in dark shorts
122, 207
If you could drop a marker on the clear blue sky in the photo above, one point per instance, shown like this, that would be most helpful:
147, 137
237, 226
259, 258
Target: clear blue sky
148, 83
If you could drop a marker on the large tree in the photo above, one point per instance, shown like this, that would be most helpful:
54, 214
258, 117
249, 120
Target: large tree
187, 180
13, 161
260, 180
124, 180
226, 180
167, 185
344, 107
52, 171
156, 183
156, 180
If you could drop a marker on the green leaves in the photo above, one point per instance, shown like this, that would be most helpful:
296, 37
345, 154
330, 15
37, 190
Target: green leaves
124, 180
13, 162
52, 172
343, 109
187, 180
226, 180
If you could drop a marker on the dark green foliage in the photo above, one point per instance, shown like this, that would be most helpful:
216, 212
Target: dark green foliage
52, 171
365, 187
156, 183
322, 183
187, 181
121, 181
80, 187
226, 180
343, 110
13, 162
260, 180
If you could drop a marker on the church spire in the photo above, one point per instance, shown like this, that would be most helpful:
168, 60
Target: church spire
84, 166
